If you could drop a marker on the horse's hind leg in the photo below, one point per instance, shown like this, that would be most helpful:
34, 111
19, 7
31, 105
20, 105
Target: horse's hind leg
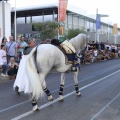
34, 104
50, 97
61, 86
76, 83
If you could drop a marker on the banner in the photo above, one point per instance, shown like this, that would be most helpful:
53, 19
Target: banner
115, 29
98, 21
0, 32
62, 10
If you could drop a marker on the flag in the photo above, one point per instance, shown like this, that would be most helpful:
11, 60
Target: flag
115, 29
62, 10
0, 32
98, 21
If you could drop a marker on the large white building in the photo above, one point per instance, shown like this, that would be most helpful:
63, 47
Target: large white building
7, 17
75, 18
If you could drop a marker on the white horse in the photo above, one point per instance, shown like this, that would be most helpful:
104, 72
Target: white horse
49, 57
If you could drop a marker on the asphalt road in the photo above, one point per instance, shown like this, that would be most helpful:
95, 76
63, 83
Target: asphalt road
99, 85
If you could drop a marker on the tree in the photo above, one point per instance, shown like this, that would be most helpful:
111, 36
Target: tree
73, 32
46, 29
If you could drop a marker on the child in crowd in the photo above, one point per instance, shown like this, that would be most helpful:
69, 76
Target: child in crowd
12, 68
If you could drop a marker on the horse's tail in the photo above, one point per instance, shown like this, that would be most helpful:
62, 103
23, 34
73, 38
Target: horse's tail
33, 77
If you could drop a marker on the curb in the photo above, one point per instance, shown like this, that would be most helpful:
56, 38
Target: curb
4, 79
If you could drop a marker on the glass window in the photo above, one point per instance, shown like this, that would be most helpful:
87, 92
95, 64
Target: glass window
37, 19
48, 18
21, 20
28, 19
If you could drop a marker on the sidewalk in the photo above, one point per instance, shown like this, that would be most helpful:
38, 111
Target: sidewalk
4, 79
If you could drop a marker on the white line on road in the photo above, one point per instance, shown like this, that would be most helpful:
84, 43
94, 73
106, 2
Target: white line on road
14, 106
105, 107
48, 104
3, 110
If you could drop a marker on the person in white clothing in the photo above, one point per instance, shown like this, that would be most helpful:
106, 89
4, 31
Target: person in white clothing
3, 61
22, 83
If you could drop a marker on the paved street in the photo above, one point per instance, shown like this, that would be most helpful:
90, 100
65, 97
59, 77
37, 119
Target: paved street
99, 85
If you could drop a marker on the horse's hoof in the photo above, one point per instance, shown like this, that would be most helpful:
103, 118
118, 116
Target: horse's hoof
78, 94
35, 108
50, 98
61, 99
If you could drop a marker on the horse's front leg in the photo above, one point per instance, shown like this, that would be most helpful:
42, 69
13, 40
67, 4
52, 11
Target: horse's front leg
61, 86
75, 74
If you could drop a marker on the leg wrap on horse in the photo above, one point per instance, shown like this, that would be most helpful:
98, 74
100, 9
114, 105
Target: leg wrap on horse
76, 88
47, 91
61, 89
34, 102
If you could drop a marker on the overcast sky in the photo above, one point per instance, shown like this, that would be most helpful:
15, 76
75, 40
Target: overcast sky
108, 7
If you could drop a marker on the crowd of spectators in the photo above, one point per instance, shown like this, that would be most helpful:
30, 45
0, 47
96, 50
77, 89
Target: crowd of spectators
96, 52
10, 55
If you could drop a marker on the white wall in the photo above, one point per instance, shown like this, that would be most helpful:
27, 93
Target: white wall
7, 21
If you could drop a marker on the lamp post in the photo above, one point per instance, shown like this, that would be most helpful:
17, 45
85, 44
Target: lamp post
15, 19
98, 23
3, 18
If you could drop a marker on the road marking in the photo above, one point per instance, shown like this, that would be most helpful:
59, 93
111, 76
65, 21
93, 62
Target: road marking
105, 107
13, 106
48, 104
3, 110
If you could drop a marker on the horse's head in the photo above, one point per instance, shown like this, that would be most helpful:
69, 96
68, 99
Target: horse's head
83, 40
80, 42
86, 39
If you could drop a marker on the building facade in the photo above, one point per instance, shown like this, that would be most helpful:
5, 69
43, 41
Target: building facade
75, 18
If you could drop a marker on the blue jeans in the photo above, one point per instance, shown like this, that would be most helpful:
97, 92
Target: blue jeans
8, 58
19, 57
4, 68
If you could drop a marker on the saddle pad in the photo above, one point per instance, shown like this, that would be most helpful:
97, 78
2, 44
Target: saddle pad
69, 49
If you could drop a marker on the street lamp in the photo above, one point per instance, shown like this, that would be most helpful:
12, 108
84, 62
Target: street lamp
15, 20
3, 18
98, 23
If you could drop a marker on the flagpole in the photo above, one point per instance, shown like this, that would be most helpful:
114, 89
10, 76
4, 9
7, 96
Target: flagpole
108, 31
96, 25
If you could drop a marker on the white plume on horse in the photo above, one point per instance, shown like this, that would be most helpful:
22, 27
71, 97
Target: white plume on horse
48, 57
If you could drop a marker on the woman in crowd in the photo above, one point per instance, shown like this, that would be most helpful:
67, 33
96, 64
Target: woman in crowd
4, 40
